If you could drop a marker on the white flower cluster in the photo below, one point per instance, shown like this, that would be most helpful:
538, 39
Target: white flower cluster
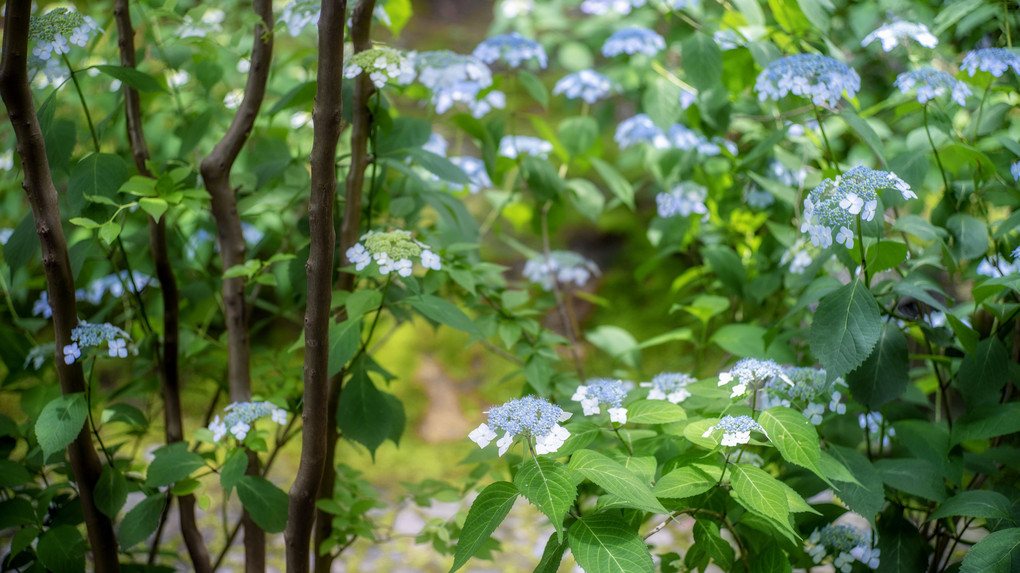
455, 78
736, 430
87, 335
600, 7
209, 23
846, 544
814, 76
597, 391
57, 30
514, 145
513, 8
893, 33
992, 60
588, 85
685, 199
633, 40
833, 206
751, 373
931, 83
513, 49
564, 266
381, 65
670, 386
299, 14
798, 256
392, 252
809, 392
528, 417
241, 415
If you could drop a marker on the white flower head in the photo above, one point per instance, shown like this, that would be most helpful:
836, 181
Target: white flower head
239, 417
564, 267
736, 430
894, 33
530, 418
392, 252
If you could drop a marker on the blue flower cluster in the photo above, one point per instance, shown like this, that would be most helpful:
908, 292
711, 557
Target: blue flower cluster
640, 129
599, 7
96, 290
833, 206
751, 372
931, 83
846, 544
607, 391
241, 415
633, 40
736, 430
514, 145
455, 78
565, 267
685, 199
873, 421
513, 49
670, 386
992, 60
895, 32
299, 14
1014, 170
87, 335
805, 389
528, 417
474, 168
588, 85
814, 76
59, 29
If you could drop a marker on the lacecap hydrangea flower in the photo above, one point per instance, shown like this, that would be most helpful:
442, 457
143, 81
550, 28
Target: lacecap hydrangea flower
514, 145
455, 78
599, 7
512, 49
474, 168
798, 256
846, 544
873, 421
633, 40
239, 417
529, 418
87, 335
1000, 268
833, 206
809, 392
597, 391
736, 430
751, 373
57, 30
931, 83
892, 34
640, 129
992, 60
299, 14
685, 199
392, 251
669, 386
565, 267
814, 76
588, 85
381, 65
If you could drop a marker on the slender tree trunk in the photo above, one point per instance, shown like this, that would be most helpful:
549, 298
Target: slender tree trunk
215, 171
326, 116
42, 196
168, 286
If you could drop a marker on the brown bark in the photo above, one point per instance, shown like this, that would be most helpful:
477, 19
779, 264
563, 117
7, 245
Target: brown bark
215, 171
326, 116
169, 359
42, 196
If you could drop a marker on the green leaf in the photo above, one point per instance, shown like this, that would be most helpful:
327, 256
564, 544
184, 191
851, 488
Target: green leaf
62, 550
534, 87
604, 543
109, 231
13, 474
266, 503
984, 373
364, 415
794, 436
552, 555
744, 340
860, 125
987, 422
616, 479
586, 198
902, 546
654, 412
444, 312
141, 521
97, 174
999, 552
845, 328
233, 469
23, 244
616, 342
728, 266
542, 178
686, 481
706, 534
770, 559
758, 491
884, 255
139, 80
970, 236
618, 186
983, 504
867, 495
884, 375
912, 475
702, 60
547, 484
153, 206
111, 491
172, 462
662, 102
486, 513
60, 422
361, 302
405, 133
126, 414
578, 134
344, 341
439, 165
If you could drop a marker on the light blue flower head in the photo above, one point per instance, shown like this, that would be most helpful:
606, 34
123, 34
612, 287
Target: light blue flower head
633, 40
736, 430
669, 386
588, 85
87, 335
931, 83
685, 199
992, 60
640, 129
513, 49
833, 206
820, 78
599, 7
846, 544
528, 417
241, 415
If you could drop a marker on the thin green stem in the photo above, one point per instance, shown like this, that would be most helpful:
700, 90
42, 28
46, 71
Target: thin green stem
938, 160
626, 444
88, 406
81, 96
981, 109
821, 127
864, 256
375, 165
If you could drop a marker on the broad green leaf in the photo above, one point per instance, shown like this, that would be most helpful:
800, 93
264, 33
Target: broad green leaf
586, 198
13, 474
706, 534
17, 511
845, 328
757, 490
266, 503
794, 436
654, 412
884, 375
364, 414
912, 475
444, 312
902, 546
970, 236
618, 186
728, 266
126, 414
984, 373
405, 134
884, 255
172, 463
534, 86
770, 559
233, 469
857, 123
662, 102
834, 469
60, 422
976, 503
486, 513
439, 165
141, 521
604, 543
547, 484
999, 552
139, 80
687, 481
23, 245
111, 491
867, 495
109, 231
744, 340
344, 341
97, 174
542, 178
616, 479
702, 60
361, 302
552, 555
578, 134
62, 550
153, 206
581, 434
616, 342
987, 422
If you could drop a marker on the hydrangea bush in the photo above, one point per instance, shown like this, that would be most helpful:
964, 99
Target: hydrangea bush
793, 224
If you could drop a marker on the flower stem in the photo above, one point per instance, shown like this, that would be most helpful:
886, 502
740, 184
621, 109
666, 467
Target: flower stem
84, 106
931, 141
864, 256
821, 127
981, 108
